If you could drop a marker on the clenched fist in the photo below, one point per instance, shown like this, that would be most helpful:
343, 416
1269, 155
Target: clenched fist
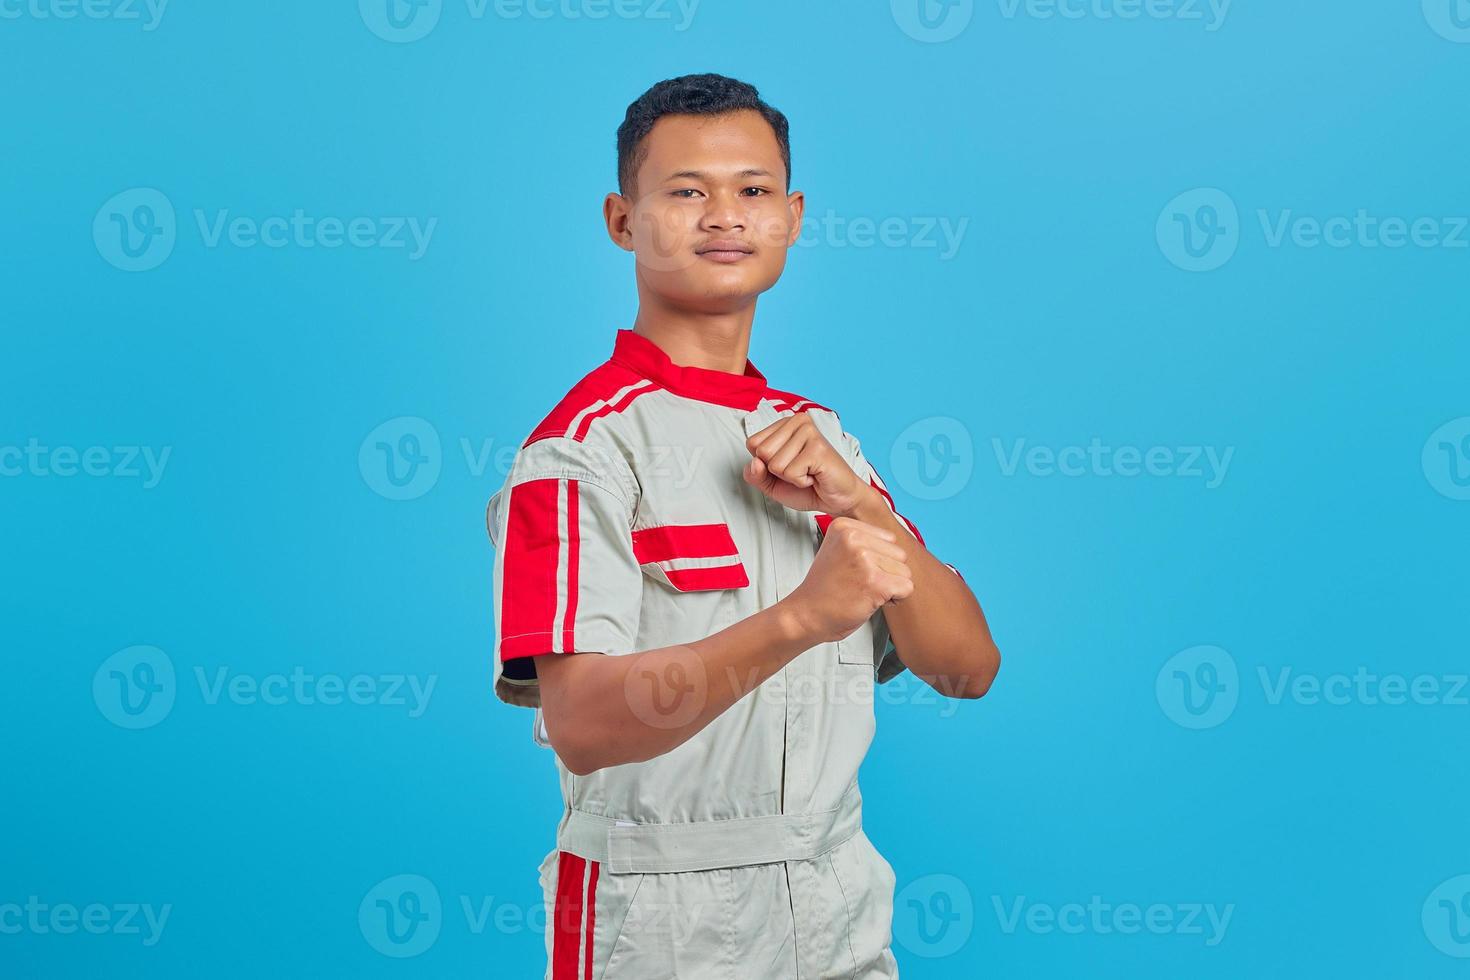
858, 568
794, 464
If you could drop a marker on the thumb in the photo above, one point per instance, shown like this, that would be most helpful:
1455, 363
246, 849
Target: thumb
754, 472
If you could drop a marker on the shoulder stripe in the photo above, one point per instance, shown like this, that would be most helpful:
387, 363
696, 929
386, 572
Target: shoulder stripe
788, 402
609, 384
601, 409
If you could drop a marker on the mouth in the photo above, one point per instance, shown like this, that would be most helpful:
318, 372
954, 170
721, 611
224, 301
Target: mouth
724, 251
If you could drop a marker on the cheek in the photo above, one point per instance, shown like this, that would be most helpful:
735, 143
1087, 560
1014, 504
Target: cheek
663, 239
772, 228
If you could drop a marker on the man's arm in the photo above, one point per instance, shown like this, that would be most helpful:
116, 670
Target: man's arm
940, 630
605, 711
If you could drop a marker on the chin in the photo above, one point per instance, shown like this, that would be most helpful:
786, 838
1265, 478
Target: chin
733, 284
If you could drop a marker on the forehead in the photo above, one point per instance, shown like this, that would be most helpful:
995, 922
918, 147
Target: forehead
717, 145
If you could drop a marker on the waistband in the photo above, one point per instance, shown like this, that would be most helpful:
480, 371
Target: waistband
664, 848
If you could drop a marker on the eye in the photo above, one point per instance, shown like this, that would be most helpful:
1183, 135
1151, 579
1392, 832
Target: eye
759, 191
685, 192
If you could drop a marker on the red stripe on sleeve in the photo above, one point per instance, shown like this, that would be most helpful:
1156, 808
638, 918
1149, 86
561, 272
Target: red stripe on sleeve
528, 598
574, 545
906, 522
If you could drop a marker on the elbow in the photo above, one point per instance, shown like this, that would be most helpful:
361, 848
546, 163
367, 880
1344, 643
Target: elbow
577, 765
977, 685
579, 757
576, 751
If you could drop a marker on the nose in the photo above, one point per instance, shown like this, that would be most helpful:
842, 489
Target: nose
724, 213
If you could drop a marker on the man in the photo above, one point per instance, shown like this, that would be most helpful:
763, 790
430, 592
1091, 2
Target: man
698, 578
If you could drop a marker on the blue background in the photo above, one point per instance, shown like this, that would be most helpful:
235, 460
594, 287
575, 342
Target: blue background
1063, 317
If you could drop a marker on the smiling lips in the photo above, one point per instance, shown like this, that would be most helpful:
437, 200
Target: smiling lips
724, 250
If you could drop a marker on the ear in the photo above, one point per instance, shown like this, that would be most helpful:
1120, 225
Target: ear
796, 202
616, 210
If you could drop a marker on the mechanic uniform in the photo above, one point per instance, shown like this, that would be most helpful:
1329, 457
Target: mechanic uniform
624, 525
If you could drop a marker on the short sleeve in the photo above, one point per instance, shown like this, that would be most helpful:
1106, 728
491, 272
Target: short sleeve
565, 578
890, 664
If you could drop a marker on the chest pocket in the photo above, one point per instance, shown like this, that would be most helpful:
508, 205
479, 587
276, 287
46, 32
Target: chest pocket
699, 569
857, 647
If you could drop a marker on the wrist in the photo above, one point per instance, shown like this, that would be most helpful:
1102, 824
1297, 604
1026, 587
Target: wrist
870, 507
794, 622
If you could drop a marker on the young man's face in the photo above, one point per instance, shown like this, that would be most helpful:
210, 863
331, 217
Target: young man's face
708, 216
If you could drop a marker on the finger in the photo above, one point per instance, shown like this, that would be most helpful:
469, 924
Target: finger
893, 566
791, 463
862, 527
896, 588
755, 471
775, 431
887, 547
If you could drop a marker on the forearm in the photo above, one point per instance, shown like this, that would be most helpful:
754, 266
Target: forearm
940, 630
615, 710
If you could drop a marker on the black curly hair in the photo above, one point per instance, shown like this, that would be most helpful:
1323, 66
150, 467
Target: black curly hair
693, 95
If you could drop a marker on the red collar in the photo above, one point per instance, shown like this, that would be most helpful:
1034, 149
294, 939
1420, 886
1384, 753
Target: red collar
637, 353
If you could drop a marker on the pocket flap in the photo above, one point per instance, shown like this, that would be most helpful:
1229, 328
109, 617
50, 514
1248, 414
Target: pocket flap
690, 557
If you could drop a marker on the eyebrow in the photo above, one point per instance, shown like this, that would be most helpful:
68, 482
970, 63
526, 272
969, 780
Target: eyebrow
701, 175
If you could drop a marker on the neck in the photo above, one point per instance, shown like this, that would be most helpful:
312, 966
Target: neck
715, 341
